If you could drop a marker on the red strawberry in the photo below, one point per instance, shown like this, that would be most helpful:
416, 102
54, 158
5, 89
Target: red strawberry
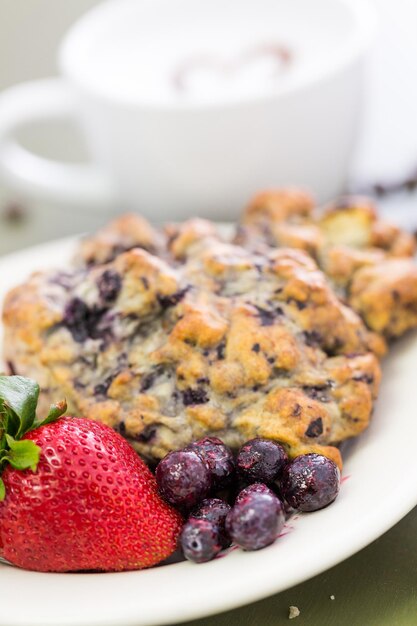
91, 504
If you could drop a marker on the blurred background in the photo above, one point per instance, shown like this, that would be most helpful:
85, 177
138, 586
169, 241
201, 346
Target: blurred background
30, 32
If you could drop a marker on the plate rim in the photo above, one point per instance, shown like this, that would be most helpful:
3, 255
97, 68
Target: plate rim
354, 540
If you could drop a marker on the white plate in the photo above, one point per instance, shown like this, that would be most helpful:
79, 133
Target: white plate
381, 489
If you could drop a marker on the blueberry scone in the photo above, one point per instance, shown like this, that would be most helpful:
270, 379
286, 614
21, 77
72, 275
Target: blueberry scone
189, 335
367, 260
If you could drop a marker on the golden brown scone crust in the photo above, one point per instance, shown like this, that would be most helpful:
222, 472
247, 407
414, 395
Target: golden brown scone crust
358, 251
209, 339
353, 221
385, 295
128, 232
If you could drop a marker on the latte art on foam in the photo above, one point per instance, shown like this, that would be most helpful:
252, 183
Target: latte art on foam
188, 54
253, 68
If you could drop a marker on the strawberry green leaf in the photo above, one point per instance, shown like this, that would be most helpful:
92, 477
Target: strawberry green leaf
55, 412
19, 398
2, 490
9, 423
22, 454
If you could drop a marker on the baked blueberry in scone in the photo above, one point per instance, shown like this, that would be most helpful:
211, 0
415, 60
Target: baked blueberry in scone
206, 338
367, 260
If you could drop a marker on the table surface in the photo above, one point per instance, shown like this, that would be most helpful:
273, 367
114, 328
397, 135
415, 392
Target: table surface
377, 586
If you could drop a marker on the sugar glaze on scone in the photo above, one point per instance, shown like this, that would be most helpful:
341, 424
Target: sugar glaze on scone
208, 338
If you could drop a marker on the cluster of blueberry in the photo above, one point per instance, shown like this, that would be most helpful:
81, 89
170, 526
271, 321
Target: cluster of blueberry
262, 483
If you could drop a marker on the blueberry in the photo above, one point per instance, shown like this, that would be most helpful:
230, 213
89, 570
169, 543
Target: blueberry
194, 396
310, 482
183, 478
200, 540
215, 511
266, 317
219, 459
109, 285
254, 488
261, 460
76, 317
173, 299
255, 521
262, 488
147, 434
84, 322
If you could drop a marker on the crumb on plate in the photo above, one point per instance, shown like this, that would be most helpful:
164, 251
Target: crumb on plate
293, 612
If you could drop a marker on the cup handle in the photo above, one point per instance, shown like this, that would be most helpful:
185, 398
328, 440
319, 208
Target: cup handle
80, 184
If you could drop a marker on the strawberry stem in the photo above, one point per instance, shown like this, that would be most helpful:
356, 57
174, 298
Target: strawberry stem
18, 401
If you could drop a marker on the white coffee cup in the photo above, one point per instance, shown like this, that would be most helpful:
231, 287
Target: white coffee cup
272, 96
